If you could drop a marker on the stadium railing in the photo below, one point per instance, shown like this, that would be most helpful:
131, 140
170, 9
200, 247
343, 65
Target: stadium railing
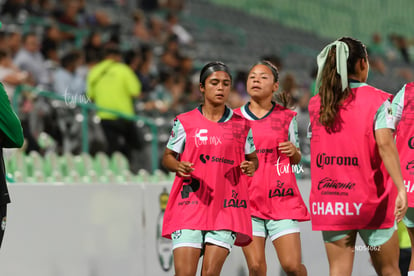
85, 108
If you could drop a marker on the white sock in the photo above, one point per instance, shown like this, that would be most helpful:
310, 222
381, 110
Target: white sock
410, 273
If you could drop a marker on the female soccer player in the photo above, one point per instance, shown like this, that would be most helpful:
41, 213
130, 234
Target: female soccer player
403, 111
351, 142
209, 149
275, 200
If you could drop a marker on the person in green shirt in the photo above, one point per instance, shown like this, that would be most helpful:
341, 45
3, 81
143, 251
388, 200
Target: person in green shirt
112, 85
11, 136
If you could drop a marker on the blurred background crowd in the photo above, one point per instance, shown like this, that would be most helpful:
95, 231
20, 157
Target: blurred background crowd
49, 49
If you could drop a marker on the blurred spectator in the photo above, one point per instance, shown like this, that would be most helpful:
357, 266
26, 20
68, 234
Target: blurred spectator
173, 26
133, 59
31, 60
93, 44
111, 84
66, 82
13, 41
13, 8
51, 43
10, 74
140, 28
167, 95
41, 8
171, 57
68, 15
377, 53
159, 34
146, 71
148, 5
400, 43
377, 46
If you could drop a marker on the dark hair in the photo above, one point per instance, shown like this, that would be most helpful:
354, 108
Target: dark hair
3, 54
212, 67
70, 58
330, 90
271, 66
111, 50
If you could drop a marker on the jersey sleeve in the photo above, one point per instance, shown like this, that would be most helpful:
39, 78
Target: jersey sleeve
293, 132
249, 146
177, 139
383, 117
397, 105
11, 132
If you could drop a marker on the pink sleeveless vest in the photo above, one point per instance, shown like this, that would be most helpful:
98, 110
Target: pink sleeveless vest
215, 196
405, 142
349, 183
273, 191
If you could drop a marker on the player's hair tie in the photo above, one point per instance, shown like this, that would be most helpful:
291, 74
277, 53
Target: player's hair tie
342, 53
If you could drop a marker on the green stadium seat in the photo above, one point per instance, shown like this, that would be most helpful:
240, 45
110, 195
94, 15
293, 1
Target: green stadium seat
119, 163
102, 163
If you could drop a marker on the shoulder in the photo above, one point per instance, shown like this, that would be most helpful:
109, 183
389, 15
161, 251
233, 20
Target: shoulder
188, 115
287, 111
371, 91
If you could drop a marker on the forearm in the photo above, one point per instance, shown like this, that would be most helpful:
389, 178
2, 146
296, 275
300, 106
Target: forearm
389, 155
170, 162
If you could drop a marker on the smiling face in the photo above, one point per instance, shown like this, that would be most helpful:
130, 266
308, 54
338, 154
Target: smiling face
216, 88
261, 82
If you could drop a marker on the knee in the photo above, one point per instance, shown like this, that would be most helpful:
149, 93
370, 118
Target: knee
389, 271
257, 268
292, 268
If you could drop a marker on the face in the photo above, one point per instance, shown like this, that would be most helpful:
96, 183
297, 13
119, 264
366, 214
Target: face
32, 44
216, 88
260, 82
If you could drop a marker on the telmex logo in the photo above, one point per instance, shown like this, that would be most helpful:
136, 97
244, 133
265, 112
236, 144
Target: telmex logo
201, 138
201, 134
322, 159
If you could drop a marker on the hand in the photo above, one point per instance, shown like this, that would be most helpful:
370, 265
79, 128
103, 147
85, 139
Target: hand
247, 167
401, 205
287, 148
185, 168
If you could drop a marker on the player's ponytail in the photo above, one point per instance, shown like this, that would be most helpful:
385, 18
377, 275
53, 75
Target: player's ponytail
335, 62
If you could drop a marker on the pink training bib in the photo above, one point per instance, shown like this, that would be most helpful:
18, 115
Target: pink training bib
349, 183
405, 142
215, 196
273, 191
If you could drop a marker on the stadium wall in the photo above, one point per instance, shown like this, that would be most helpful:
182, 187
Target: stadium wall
112, 230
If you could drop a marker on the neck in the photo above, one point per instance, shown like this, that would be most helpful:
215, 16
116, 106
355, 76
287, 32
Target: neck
213, 113
356, 77
260, 108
